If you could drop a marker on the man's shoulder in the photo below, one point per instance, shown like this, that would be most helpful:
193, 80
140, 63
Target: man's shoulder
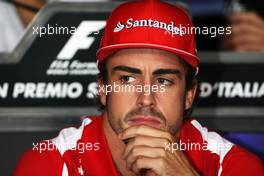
87, 131
47, 157
239, 161
33, 162
205, 148
226, 157
69, 136
193, 131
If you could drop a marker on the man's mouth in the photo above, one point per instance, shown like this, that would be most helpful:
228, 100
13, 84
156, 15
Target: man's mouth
145, 120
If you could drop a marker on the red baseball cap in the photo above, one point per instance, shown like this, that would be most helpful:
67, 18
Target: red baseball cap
149, 24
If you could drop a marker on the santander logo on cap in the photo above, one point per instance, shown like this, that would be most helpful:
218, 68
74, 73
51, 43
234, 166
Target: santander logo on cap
131, 23
119, 27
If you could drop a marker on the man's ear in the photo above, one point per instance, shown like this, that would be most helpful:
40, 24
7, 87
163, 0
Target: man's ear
190, 95
101, 91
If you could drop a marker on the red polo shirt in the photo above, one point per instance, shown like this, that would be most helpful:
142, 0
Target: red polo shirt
84, 151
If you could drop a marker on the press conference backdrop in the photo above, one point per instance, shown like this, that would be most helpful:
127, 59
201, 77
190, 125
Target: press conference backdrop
48, 81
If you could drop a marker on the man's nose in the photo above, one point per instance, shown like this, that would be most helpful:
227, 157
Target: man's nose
146, 97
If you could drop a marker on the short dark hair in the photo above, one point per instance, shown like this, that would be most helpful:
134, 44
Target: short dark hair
190, 81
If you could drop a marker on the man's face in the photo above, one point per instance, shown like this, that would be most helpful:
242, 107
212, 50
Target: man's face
163, 107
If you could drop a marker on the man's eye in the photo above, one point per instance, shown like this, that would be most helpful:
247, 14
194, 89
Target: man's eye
127, 79
164, 81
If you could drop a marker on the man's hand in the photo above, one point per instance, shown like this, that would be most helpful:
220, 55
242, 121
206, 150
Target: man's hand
145, 151
247, 32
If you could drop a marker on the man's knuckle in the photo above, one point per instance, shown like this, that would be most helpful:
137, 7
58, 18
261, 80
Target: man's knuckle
168, 136
137, 140
140, 161
134, 151
167, 141
161, 162
162, 152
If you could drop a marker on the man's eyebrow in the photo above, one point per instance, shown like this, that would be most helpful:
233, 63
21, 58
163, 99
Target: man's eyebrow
127, 69
166, 71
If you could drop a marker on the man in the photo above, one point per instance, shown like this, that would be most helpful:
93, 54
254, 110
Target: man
146, 88
11, 27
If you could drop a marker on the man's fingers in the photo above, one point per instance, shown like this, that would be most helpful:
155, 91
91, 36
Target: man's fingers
163, 165
157, 165
145, 141
143, 151
246, 43
146, 131
245, 29
245, 39
249, 18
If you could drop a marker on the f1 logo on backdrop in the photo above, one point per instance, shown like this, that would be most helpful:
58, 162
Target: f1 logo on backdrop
81, 39
64, 64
